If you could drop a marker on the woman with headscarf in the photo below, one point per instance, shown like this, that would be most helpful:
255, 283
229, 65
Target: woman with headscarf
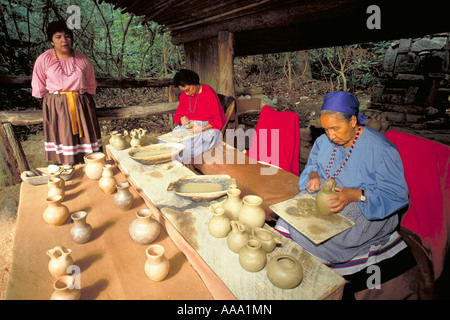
65, 79
371, 192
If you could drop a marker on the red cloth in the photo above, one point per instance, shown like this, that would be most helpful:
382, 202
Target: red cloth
282, 150
207, 108
427, 173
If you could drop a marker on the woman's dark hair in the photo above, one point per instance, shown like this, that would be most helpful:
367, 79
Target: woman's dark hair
186, 77
57, 26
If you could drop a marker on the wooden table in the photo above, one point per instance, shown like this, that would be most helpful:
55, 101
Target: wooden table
186, 222
111, 264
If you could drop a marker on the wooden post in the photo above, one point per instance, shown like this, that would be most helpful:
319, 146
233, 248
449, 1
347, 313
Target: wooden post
226, 66
9, 168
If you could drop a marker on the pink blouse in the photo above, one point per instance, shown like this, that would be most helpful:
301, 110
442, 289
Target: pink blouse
47, 75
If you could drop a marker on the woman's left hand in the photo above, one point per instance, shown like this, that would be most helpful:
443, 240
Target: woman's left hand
196, 128
344, 197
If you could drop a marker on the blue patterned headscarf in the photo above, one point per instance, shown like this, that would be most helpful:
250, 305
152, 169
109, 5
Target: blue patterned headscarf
344, 102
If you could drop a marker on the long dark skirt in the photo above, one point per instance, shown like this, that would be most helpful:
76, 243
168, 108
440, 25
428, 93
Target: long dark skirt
61, 145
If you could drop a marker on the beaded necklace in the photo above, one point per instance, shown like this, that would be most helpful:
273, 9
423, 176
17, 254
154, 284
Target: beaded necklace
61, 67
330, 163
195, 105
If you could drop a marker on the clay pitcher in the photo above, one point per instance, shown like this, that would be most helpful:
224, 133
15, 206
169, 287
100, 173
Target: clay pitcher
57, 174
94, 165
252, 214
112, 136
117, 141
60, 260
238, 236
157, 265
284, 271
55, 213
135, 141
321, 198
55, 188
252, 257
66, 289
219, 226
81, 232
142, 134
144, 229
123, 198
233, 204
267, 239
126, 138
107, 182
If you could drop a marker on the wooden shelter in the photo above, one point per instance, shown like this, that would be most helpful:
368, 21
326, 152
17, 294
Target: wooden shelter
213, 32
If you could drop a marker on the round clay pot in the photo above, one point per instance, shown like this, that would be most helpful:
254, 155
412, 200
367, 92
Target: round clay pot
123, 198
252, 214
284, 271
321, 199
252, 257
55, 213
107, 182
144, 229
81, 232
60, 260
219, 226
94, 165
238, 236
65, 289
233, 204
117, 141
157, 265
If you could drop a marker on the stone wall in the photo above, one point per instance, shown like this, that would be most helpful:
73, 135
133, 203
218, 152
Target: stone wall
415, 85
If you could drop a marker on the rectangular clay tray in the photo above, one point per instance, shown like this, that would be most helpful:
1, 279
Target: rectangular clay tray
30, 178
300, 212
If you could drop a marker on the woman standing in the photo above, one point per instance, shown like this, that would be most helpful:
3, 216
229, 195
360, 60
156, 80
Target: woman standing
65, 79
200, 107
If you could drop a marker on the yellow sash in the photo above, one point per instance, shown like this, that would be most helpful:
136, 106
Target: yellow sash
73, 111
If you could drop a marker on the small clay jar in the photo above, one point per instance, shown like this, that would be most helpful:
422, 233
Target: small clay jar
267, 239
126, 138
233, 204
60, 260
57, 174
252, 214
321, 199
284, 271
107, 182
144, 229
123, 199
55, 213
94, 165
252, 257
65, 289
117, 141
55, 188
219, 225
81, 232
238, 236
157, 265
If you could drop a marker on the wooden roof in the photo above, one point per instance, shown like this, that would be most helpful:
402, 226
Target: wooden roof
264, 26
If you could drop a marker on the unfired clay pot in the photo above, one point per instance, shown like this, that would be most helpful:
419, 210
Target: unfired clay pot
65, 289
284, 271
321, 198
55, 188
238, 236
117, 141
252, 214
252, 257
233, 204
219, 225
123, 198
60, 260
107, 182
94, 165
267, 239
55, 213
81, 232
144, 229
156, 266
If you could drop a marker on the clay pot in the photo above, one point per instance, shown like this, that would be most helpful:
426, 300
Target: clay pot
60, 260
81, 232
157, 265
233, 204
284, 271
219, 226
252, 257
267, 239
55, 188
238, 236
135, 141
57, 174
144, 229
126, 138
65, 289
55, 213
117, 141
321, 198
94, 165
123, 198
142, 134
252, 214
107, 182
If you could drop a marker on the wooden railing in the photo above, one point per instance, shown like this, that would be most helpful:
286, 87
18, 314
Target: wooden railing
12, 158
